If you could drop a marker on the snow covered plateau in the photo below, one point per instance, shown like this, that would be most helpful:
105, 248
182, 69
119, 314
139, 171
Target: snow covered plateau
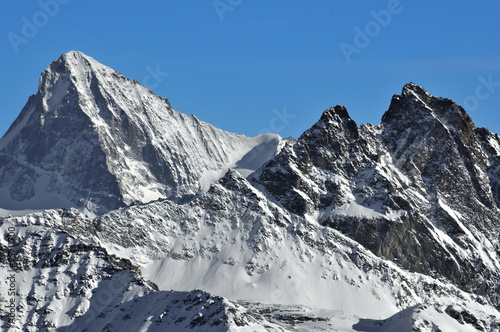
119, 213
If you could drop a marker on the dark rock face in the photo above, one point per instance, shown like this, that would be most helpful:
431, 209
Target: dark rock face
326, 147
420, 189
64, 149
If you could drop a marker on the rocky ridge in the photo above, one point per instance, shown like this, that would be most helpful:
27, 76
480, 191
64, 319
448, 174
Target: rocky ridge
419, 189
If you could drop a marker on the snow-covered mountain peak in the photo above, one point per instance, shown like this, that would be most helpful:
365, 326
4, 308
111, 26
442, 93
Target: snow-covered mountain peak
412, 88
74, 65
77, 57
337, 112
335, 124
93, 139
414, 103
419, 111
76, 62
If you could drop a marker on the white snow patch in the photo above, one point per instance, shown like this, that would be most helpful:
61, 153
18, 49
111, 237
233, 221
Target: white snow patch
253, 153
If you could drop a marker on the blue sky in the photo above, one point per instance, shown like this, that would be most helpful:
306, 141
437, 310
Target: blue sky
253, 65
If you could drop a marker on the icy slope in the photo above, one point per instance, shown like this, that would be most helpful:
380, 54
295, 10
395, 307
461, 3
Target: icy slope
93, 139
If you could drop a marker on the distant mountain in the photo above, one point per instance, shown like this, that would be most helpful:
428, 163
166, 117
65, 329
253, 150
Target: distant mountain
93, 139
393, 227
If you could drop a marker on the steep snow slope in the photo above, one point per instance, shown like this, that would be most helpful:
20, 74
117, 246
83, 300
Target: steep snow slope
234, 243
64, 284
93, 139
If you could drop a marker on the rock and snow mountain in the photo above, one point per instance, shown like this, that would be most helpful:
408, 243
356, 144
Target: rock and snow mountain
93, 139
393, 227
420, 189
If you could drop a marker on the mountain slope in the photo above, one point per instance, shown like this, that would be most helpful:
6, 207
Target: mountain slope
233, 242
64, 284
93, 139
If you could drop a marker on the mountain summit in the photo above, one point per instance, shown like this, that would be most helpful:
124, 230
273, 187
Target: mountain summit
93, 139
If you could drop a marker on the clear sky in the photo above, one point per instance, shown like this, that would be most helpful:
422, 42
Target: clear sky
258, 65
